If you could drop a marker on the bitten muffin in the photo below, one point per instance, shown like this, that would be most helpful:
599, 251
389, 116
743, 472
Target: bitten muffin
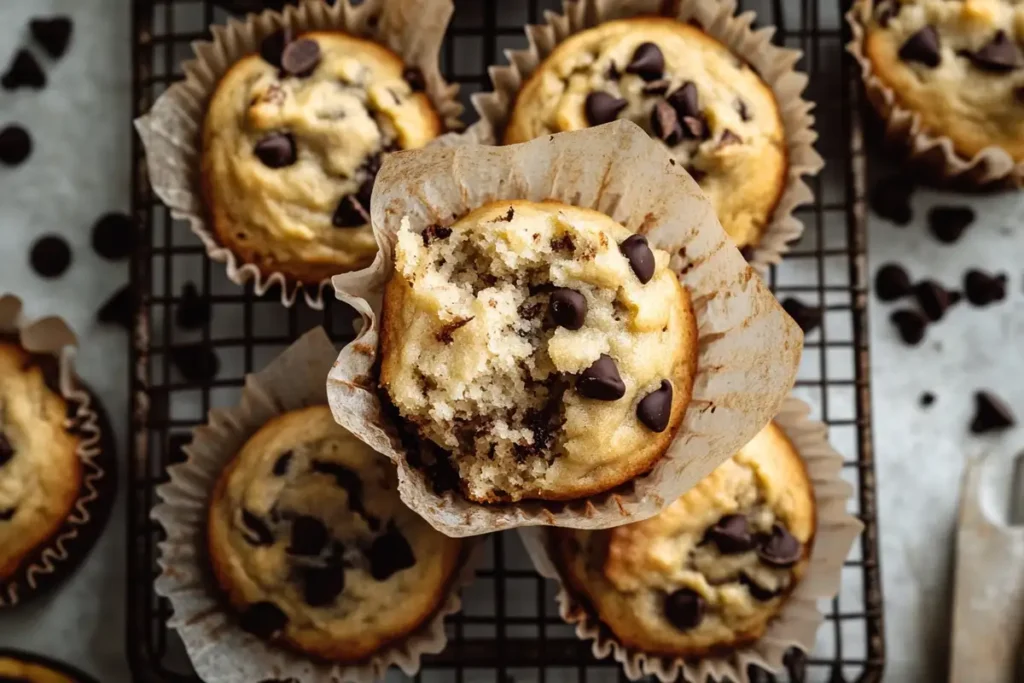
292, 142
546, 351
313, 547
713, 112
958, 65
40, 471
708, 573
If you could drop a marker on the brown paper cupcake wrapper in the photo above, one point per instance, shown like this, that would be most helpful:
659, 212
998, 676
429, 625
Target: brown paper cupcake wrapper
55, 558
797, 622
716, 17
220, 650
171, 132
747, 347
932, 154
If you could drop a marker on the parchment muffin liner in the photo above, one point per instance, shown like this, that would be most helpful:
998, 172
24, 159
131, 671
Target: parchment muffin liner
799, 619
171, 132
717, 18
219, 649
933, 155
747, 347
58, 556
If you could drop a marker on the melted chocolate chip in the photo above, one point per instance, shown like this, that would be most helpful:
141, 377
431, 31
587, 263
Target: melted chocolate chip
346, 479
277, 150
601, 380
640, 257
648, 62
892, 282
655, 409
193, 310
779, 548
119, 308
273, 46
300, 57
414, 77
731, 534
665, 123
910, 324
282, 464
260, 532
6, 449
309, 536
991, 413
434, 233
601, 107
52, 33
15, 145
568, 308
24, 72
322, 585
999, 55
684, 609
389, 554
922, 47
114, 236
263, 619
757, 591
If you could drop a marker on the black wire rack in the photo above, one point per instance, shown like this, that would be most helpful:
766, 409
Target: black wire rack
509, 629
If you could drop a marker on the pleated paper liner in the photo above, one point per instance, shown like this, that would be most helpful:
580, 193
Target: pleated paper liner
796, 624
718, 19
219, 649
171, 131
53, 345
747, 347
934, 156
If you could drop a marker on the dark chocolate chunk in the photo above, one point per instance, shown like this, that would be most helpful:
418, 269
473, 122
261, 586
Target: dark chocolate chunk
640, 257
932, 298
655, 409
272, 47
729, 138
601, 107
114, 236
1000, 54
648, 62
263, 619
195, 362
947, 223
685, 101
568, 308
24, 71
435, 232
52, 33
15, 145
50, 256
322, 585
7, 514
922, 47
277, 150
779, 548
6, 449
176, 447
349, 213
807, 317
757, 591
910, 324
260, 533
983, 289
665, 123
892, 282
282, 464
927, 398
119, 309
658, 87
601, 380
731, 534
414, 77
193, 310
389, 554
990, 413
684, 608
309, 536
300, 57
743, 110
346, 479
891, 199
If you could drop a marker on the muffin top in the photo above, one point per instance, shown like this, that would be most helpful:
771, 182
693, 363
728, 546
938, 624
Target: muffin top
292, 142
713, 568
310, 541
713, 112
958, 65
549, 351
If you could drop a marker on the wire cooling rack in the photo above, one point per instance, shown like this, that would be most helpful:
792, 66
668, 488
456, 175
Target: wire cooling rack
509, 629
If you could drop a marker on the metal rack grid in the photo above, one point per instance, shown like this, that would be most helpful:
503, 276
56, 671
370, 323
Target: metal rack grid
509, 628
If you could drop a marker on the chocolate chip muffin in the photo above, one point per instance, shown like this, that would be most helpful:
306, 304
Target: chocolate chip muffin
541, 350
292, 142
708, 573
713, 112
40, 471
313, 547
957, 65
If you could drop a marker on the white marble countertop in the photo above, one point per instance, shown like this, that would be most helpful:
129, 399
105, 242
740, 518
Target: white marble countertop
79, 169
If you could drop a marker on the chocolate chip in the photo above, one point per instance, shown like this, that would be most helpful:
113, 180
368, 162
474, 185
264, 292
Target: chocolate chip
757, 591
119, 308
927, 398
922, 47
731, 534
983, 289
434, 233
114, 236
685, 101
563, 243
193, 310
389, 554
699, 175
684, 609
282, 464
665, 123
15, 145
947, 223
176, 447
195, 362
322, 585
349, 213
990, 413
309, 536
655, 409
1018, 94
779, 548
807, 317
509, 215
277, 150
568, 308
346, 479
260, 532
658, 87
795, 661
648, 62
272, 47
910, 324
756, 674
885, 10
932, 298
23, 72
52, 33
640, 257
7, 514
891, 199
1000, 54
414, 77
729, 138
300, 57
601, 380
746, 252
50, 256
263, 619
694, 127
892, 282
6, 449
742, 110
600, 107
